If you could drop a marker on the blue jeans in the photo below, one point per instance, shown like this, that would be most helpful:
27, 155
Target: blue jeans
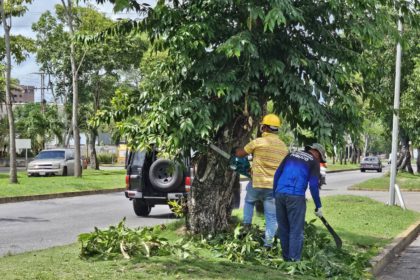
265, 196
291, 210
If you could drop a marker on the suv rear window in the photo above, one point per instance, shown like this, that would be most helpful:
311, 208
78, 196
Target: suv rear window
138, 158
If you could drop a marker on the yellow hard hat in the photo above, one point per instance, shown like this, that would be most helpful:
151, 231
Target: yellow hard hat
271, 120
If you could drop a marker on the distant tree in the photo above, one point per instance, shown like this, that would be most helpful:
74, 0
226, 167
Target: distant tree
8, 10
105, 64
38, 126
410, 104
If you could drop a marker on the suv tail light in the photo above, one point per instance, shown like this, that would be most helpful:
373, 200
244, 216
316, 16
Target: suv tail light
187, 184
127, 181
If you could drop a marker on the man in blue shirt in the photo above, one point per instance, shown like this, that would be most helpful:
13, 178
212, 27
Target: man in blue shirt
290, 183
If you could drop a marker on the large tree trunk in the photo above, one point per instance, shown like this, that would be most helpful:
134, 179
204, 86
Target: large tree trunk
9, 108
418, 160
209, 203
75, 87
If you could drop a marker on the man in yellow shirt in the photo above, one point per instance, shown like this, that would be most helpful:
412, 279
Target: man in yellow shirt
268, 152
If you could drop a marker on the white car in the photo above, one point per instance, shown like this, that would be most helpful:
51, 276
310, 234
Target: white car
52, 162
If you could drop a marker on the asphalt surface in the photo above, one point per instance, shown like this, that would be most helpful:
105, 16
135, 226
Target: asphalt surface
32, 225
406, 266
7, 169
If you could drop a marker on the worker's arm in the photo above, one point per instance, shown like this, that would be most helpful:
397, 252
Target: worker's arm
240, 152
314, 184
247, 150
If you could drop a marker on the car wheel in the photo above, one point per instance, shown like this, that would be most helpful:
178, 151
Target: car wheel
362, 170
164, 175
65, 171
141, 207
380, 170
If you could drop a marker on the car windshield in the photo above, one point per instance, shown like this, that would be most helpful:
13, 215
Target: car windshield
50, 154
370, 159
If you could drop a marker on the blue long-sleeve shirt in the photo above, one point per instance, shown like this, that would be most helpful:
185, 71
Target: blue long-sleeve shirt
294, 174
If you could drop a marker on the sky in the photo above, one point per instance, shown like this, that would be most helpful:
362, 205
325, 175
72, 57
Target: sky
23, 26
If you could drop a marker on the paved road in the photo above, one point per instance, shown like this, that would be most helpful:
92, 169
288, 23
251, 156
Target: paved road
7, 169
27, 226
406, 266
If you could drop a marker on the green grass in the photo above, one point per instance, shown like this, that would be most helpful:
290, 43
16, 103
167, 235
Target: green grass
363, 224
406, 181
63, 263
91, 180
338, 166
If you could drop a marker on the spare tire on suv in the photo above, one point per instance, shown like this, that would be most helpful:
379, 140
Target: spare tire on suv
165, 175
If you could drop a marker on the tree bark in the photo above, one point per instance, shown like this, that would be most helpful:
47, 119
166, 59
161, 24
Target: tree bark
210, 199
365, 147
404, 163
12, 135
418, 160
75, 87
94, 164
353, 154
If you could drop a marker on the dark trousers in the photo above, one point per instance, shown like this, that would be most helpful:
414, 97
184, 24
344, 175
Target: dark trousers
291, 210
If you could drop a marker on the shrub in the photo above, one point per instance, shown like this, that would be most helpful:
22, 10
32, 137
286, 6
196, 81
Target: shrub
107, 158
121, 241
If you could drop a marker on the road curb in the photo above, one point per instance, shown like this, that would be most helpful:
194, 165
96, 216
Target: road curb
380, 190
56, 195
342, 170
388, 254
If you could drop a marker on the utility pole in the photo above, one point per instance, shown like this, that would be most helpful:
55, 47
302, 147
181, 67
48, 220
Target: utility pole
395, 119
42, 88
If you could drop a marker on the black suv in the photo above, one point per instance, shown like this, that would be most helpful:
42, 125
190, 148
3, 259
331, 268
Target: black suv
151, 180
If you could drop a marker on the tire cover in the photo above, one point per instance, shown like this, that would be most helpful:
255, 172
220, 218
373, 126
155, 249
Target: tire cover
165, 175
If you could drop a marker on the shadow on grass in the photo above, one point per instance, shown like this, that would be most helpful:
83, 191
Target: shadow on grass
362, 241
161, 216
208, 269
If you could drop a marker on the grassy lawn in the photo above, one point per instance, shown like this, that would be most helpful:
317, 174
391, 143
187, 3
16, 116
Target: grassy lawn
405, 181
364, 225
91, 180
338, 166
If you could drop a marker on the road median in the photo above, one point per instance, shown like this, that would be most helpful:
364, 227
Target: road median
56, 195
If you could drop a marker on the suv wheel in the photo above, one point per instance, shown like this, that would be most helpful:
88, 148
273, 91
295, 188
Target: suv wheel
165, 176
141, 207
362, 170
380, 170
65, 171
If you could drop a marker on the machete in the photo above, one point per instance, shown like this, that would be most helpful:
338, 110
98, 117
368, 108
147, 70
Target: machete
337, 238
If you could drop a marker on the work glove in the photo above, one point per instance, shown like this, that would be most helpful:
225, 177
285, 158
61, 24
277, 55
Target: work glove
318, 212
